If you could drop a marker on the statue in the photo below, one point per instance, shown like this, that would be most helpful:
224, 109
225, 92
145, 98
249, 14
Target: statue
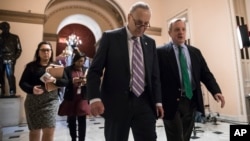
10, 51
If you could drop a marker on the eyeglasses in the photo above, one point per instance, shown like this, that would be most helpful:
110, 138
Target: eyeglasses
45, 50
139, 25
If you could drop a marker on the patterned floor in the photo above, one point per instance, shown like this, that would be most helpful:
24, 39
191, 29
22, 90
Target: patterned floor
211, 131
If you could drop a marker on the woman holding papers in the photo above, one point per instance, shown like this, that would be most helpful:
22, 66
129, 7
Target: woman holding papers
40, 104
75, 105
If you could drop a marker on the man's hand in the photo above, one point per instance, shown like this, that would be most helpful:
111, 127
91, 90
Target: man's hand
160, 111
220, 98
96, 108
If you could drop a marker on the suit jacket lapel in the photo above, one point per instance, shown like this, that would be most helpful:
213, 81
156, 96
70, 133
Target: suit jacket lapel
123, 44
173, 63
193, 61
144, 44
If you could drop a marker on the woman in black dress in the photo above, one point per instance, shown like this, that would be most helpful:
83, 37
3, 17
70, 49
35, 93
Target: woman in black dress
75, 104
41, 105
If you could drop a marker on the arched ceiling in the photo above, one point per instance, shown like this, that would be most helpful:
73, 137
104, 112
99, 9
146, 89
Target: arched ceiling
83, 20
106, 13
96, 15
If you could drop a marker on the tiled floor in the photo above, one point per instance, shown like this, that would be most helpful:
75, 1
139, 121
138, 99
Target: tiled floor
211, 131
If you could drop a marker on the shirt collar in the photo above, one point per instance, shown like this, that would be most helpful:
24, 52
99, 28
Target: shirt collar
129, 35
182, 45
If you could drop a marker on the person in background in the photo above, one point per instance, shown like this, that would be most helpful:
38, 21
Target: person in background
182, 69
10, 51
130, 93
74, 96
40, 105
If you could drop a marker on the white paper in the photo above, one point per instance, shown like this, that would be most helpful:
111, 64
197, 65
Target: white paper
45, 75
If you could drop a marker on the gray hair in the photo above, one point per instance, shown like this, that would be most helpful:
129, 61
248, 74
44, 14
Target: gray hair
173, 22
137, 5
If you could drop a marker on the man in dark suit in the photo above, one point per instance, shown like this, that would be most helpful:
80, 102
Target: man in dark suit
114, 98
180, 108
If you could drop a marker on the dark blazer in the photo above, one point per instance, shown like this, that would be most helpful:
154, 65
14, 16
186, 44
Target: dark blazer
170, 79
112, 62
69, 93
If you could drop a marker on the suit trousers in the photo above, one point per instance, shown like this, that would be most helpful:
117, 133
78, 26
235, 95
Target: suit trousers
139, 116
181, 126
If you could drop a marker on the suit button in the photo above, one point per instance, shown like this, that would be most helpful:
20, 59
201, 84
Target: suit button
178, 99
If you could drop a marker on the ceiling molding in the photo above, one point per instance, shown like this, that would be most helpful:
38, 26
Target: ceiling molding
154, 31
26, 17
50, 37
23, 17
108, 5
74, 7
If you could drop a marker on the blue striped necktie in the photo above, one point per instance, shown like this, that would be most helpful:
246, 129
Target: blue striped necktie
137, 69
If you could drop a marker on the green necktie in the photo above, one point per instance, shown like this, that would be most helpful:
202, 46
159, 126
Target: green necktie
184, 72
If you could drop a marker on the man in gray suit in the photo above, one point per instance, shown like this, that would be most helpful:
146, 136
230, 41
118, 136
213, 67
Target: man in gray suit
115, 98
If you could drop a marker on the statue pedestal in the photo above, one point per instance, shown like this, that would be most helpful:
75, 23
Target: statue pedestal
10, 110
